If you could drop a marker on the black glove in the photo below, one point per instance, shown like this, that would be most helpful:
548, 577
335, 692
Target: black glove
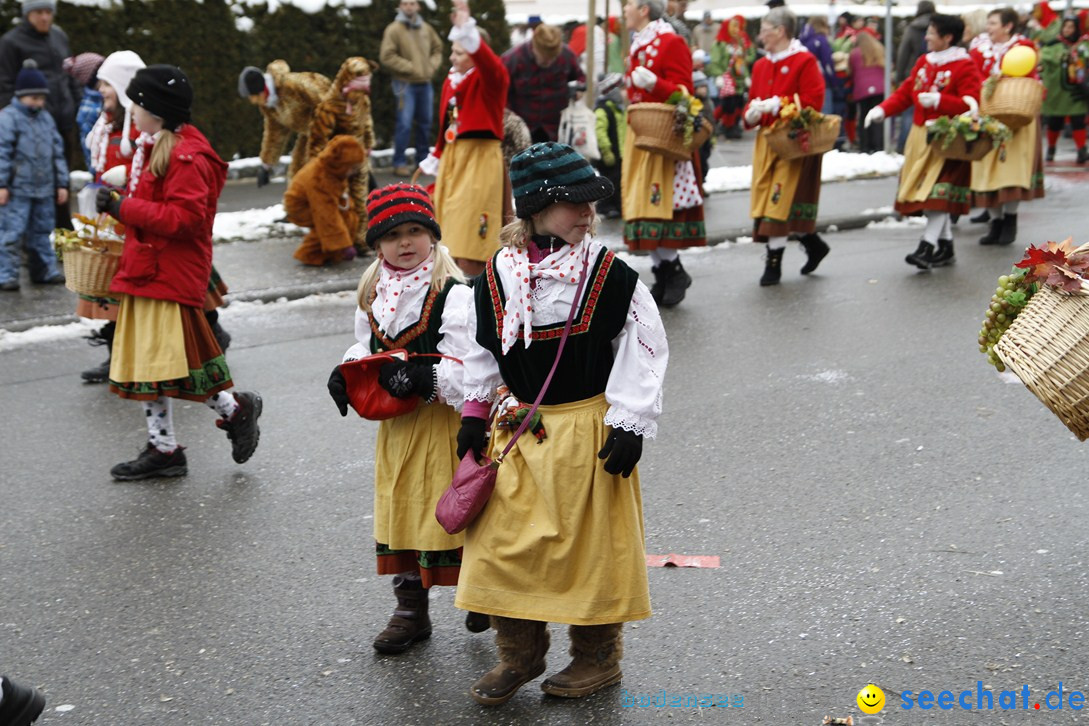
338, 390
262, 176
472, 435
106, 200
623, 449
403, 379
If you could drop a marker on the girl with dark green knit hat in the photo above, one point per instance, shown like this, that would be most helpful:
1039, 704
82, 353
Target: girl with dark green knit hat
561, 539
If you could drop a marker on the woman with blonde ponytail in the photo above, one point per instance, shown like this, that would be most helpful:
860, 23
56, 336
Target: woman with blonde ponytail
412, 297
164, 346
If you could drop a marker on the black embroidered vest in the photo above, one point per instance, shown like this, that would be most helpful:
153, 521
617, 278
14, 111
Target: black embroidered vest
423, 336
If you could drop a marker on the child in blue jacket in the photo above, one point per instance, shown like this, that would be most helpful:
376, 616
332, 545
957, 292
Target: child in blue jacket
33, 174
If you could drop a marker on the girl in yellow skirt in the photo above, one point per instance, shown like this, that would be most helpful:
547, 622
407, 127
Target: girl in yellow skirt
468, 156
1013, 173
944, 82
164, 347
561, 539
413, 297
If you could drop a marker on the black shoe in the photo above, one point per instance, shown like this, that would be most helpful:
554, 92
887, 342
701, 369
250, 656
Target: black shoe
922, 256
477, 622
994, 234
659, 283
12, 286
773, 268
57, 279
1051, 153
242, 428
1009, 230
981, 218
734, 132
816, 249
222, 337
152, 463
21, 705
944, 256
1083, 155
674, 282
98, 374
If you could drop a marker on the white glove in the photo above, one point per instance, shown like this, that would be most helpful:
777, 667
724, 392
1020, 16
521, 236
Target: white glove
771, 105
930, 100
753, 113
644, 78
973, 105
875, 116
115, 176
430, 165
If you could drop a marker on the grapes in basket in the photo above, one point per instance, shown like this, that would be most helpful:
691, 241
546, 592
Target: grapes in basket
1010, 297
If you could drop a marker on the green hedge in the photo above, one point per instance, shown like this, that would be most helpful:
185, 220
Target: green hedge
204, 39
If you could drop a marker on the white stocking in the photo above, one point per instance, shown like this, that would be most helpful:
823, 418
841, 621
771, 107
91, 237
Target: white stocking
947, 229
160, 423
935, 223
224, 403
663, 254
777, 243
1010, 207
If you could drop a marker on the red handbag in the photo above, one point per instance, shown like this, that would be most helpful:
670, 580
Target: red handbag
366, 396
474, 480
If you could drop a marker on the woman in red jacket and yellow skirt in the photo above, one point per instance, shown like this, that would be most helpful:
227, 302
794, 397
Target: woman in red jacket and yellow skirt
785, 194
944, 82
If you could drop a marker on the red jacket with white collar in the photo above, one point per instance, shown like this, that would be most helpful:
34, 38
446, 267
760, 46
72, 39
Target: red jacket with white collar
168, 224
669, 58
480, 97
988, 56
952, 74
796, 72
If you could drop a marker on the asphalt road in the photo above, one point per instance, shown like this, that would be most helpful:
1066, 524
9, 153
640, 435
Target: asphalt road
885, 509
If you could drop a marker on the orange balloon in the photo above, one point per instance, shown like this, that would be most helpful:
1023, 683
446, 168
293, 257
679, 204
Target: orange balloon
1019, 61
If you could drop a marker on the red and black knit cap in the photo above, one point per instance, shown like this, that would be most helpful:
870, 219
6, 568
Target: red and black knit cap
396, 204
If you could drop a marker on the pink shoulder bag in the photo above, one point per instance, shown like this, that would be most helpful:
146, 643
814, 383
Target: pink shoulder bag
474, 480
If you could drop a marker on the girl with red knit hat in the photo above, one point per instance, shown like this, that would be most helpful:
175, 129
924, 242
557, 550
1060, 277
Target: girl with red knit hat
412, 297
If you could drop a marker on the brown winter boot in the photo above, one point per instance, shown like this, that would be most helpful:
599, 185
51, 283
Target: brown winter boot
597, 650
410, 622
522, 646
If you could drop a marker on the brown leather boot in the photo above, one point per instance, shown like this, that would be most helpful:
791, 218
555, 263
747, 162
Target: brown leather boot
410, 622
522, 646
596, 651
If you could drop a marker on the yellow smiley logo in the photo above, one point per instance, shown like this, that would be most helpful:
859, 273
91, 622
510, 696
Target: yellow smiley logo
871, 699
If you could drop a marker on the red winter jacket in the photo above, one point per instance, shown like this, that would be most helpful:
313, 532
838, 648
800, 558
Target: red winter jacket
669, 58
986, 57
480, 97
954, 79
168, 221
798, 73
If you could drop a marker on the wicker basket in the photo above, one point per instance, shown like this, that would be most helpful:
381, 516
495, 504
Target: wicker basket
1015, 102
652, 124
89, 271
1047, 347
820, 138
963, 150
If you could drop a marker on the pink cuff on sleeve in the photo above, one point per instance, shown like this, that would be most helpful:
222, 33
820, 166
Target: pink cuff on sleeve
476, 409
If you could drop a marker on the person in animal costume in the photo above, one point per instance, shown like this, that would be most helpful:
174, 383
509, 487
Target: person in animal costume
346, 110
287, 101
320, 197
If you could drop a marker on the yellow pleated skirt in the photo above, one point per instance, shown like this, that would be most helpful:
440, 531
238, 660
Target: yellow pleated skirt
469, 197
149, 344
1011, 172
415, 460
646, 182
560, 540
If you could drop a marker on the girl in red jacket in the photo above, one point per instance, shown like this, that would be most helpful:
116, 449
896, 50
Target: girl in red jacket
469, 184
784, 193
164, 347
944, 82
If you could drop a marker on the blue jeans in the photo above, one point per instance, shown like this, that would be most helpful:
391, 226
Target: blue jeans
30, 220
414, 101
906, 119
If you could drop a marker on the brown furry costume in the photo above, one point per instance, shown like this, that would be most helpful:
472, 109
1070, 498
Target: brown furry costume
297, 96
318, 198
348, 112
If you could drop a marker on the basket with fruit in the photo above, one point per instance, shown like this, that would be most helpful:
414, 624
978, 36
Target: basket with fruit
674, 129
91, 254
1038, 327
967, 137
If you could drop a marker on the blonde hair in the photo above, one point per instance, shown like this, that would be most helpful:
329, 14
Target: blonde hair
873, 53
161, 151
444, 269
517, 233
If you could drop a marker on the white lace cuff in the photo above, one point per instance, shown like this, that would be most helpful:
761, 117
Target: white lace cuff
449, 390
356, 352
484, 394
620, 418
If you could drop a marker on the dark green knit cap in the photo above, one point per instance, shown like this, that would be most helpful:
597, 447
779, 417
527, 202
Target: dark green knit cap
551, 172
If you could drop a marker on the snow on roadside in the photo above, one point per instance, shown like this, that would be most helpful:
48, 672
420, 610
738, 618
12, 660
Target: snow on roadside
836, 166
251, 225
894, 223
47, 333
